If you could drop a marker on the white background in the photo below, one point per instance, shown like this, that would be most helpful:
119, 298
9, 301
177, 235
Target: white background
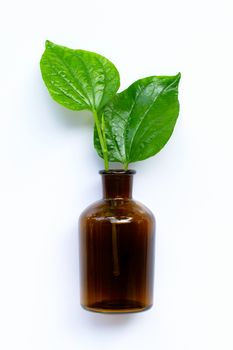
49, 174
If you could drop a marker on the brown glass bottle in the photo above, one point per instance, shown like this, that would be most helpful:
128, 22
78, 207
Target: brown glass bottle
116, 236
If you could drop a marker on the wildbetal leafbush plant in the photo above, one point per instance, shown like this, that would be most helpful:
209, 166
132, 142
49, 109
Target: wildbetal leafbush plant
130, 126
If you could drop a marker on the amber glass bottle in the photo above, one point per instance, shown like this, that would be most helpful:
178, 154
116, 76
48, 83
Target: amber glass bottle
116, 236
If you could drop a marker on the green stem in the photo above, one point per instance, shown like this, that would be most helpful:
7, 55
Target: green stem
126, 166
101, 138
103, 132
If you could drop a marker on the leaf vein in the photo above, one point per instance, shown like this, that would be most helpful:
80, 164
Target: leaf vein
146, 112
74, 77
68, 83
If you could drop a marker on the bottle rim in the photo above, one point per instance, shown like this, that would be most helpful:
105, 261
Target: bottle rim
117, 172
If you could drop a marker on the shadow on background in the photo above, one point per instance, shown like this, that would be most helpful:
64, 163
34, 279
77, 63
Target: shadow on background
99, 320
71, 119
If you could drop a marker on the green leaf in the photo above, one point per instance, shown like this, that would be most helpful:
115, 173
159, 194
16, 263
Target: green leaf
78, 79
140, 120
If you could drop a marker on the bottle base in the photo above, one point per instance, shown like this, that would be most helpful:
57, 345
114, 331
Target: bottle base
117, 307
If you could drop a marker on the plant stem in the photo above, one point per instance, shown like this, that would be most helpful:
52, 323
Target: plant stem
101, 138
126, 166
103, 133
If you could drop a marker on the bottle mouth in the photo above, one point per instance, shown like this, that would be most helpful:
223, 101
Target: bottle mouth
117, 172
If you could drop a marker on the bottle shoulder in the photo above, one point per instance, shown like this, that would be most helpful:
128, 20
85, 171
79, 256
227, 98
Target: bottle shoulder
142, 207
119, 208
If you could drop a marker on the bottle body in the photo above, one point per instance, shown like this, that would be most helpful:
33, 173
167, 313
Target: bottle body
117, 238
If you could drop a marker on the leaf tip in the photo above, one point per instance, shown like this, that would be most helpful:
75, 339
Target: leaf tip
48, 44
178, 76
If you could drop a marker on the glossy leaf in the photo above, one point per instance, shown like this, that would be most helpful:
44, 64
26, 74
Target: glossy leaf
78, 79
140, 120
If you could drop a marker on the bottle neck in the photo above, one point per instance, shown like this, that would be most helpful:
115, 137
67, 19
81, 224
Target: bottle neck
117, 183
